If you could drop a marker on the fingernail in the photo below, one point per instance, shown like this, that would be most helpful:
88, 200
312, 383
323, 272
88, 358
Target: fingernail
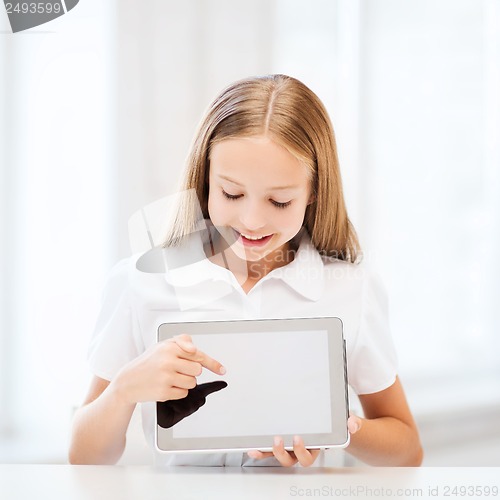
296, 440
222, 370
277, 441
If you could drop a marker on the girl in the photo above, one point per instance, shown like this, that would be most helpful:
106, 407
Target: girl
263, 180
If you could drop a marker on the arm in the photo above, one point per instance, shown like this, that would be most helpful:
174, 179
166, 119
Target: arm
166, 371
387, 435
100, 425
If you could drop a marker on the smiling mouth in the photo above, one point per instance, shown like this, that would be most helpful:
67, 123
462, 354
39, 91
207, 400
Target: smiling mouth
252, 241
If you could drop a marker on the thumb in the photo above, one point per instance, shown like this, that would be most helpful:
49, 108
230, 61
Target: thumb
354, 424
185, 343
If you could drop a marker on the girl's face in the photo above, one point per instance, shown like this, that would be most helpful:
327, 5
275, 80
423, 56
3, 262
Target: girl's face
258, 194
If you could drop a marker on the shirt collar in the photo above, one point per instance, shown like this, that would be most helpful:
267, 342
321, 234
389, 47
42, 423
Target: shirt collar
188, 266
305, 273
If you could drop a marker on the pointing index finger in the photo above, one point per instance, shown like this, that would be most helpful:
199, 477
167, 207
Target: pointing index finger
211, 364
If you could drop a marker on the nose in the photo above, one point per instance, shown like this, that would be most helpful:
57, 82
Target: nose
253, 216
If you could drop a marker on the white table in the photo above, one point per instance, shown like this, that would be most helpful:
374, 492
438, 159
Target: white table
69, 482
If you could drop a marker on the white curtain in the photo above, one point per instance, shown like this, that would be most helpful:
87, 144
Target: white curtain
57, 216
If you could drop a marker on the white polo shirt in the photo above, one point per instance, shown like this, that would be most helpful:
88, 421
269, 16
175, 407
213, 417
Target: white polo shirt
180, 284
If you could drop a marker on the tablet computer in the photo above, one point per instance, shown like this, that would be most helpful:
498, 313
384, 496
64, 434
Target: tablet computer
284, 377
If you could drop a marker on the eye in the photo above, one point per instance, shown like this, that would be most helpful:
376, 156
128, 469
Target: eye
231, 196
277, 204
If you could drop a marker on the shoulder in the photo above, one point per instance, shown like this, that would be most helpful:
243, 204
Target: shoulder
360, 275
357, 288
131, 272
118, 277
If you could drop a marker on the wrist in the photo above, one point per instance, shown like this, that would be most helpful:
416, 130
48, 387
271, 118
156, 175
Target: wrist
118, 390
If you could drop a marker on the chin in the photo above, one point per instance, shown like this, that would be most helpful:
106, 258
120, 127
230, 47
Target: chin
248, 256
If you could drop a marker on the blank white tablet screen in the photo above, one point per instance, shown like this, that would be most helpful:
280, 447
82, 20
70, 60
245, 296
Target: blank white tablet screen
278, 383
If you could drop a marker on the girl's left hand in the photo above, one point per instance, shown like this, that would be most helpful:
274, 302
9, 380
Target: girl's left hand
299, 454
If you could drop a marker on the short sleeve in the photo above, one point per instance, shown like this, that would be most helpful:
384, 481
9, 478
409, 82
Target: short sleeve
372, 365
116, 339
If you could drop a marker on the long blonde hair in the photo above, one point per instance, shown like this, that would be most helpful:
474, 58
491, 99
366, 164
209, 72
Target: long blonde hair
289, 113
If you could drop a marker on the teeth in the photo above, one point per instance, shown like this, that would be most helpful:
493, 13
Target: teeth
253, 238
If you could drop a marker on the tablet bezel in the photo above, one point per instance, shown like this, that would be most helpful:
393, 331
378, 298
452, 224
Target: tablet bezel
338, 438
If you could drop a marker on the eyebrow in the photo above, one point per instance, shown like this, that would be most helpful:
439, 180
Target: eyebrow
276, 188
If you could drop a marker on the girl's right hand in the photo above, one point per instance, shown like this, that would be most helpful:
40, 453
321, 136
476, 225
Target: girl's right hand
163, 372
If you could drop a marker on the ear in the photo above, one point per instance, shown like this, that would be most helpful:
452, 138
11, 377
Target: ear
312, 199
